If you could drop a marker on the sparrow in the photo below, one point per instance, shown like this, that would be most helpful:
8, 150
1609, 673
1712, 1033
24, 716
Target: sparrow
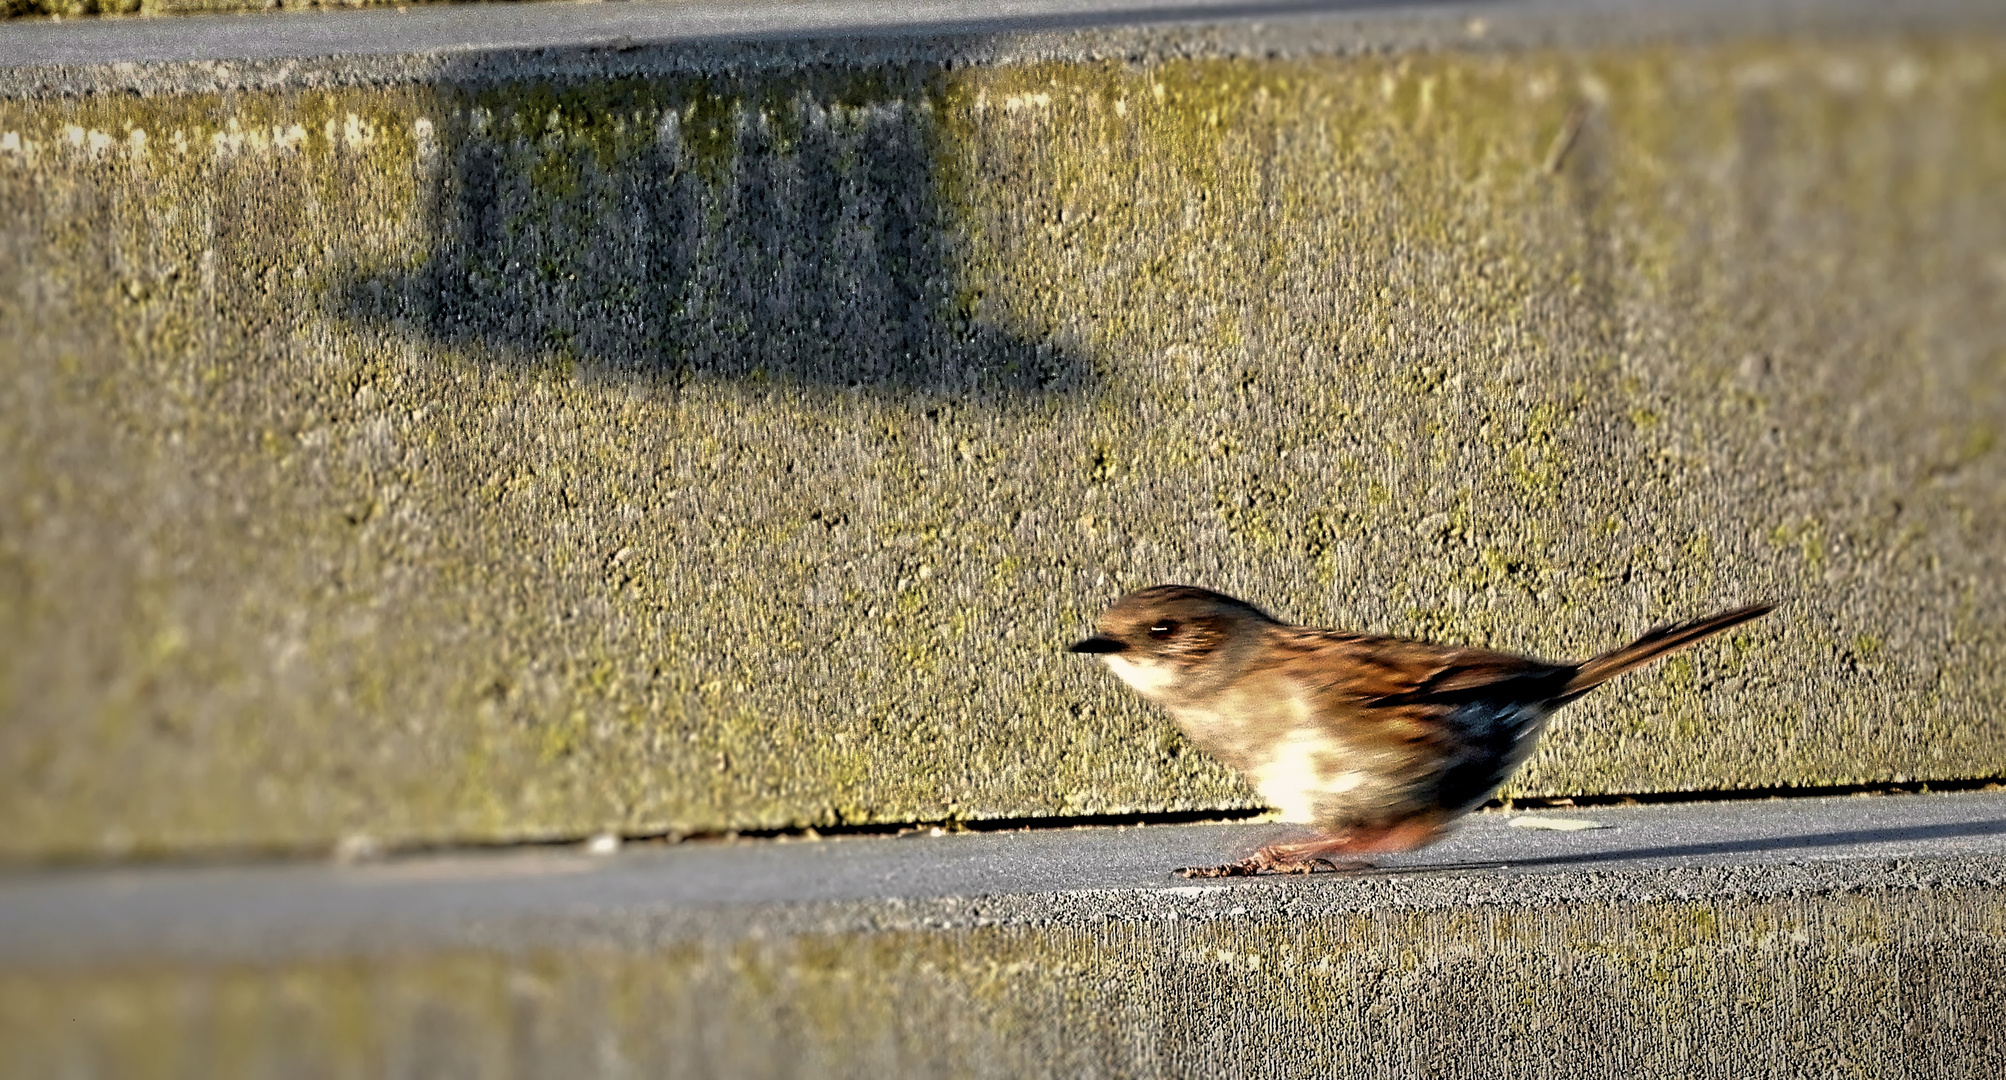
1378, 742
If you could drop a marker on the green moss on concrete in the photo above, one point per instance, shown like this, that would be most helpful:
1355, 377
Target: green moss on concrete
692, 454
1587, 989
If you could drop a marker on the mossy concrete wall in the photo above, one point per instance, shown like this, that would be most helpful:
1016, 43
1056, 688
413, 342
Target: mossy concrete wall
1252, 982
685, 448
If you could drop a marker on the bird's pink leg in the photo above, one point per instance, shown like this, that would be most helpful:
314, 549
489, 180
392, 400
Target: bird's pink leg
1312, 856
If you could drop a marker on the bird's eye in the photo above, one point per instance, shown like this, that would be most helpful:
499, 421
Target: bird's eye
1163, 629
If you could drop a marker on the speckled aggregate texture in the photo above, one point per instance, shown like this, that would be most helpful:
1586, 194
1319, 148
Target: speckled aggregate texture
24, 9
1874, 982
486, 459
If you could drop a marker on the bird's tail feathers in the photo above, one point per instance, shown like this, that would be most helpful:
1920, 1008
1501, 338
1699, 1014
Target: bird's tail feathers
1654, 644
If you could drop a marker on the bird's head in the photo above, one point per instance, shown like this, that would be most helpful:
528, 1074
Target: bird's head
1175, 643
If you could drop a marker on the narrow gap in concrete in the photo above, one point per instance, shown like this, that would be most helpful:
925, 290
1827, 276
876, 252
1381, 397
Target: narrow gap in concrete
1798, 791
1193, 817
371, 850
1227, 814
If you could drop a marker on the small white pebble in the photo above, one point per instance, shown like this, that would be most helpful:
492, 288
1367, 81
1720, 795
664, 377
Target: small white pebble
357, 847
603, 844
1555, 824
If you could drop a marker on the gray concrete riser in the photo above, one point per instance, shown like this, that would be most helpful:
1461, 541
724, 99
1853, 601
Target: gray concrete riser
502, 456
1895, 984
346, 394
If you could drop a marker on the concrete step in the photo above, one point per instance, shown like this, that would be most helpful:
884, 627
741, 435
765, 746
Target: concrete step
1289, 25
442, 438
1764, 938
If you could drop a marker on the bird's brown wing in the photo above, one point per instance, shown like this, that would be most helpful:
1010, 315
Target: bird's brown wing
1401, 690
1442, 726
1366, 670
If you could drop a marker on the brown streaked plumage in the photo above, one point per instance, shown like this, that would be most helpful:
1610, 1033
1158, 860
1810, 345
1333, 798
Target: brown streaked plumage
1378, 742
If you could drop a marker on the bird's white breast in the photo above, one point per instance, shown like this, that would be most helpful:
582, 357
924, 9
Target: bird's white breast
1149, 678
1302, 769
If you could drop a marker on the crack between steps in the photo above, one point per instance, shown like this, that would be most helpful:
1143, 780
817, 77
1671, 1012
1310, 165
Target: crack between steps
362, 849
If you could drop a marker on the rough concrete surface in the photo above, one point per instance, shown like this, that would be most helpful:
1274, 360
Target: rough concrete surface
531, 36
58, 10
732, 15
1783, 938
691, 438
687, 18
430, 26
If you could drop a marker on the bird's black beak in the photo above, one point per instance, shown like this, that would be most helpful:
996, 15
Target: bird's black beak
1097, 645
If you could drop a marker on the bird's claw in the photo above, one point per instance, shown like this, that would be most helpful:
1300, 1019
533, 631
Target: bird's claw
1228, 870
1258, 866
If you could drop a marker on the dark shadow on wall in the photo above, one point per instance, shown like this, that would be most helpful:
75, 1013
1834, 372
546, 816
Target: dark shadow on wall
796, 225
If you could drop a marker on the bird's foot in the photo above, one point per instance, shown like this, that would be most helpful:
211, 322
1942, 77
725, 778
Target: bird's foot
1238, 869
1320, 866
1311, 856
1263, 864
